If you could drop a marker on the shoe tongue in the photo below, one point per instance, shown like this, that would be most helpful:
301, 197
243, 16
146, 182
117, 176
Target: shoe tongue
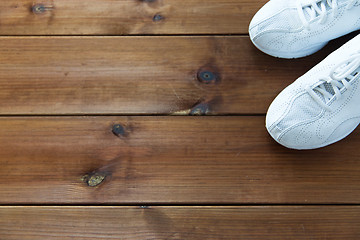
329, 88
309, 8
307, 16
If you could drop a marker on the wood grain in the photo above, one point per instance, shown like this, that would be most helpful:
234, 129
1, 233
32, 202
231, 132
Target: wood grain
323, 222
126, 17
168, 160
172, 160
137, 75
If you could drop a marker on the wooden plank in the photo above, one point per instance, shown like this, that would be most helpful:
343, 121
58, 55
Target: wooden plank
126, 17
168, 160
322, 222
136, 75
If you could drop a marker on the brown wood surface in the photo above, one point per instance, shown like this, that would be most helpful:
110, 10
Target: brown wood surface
140, 75
257, 223
156, 160
168, 160
126, 17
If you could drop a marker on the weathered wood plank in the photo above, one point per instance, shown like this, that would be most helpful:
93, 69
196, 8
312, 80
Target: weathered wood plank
136, 75
323, 222
126, 17
168, 160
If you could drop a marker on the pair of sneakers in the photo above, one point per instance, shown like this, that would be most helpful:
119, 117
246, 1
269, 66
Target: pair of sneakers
322, 106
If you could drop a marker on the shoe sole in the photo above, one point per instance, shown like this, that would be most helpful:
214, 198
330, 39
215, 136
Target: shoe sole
291, 55
317, 146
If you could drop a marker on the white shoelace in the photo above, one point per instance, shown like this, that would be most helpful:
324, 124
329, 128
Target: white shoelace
319, 8
337, 82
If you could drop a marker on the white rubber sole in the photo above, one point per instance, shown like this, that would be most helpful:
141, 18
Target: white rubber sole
290, 55
315, 146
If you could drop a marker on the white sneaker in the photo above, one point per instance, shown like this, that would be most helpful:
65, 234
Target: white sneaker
322, 106
297, 28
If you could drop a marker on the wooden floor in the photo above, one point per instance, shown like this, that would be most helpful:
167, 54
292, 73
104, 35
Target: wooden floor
144, 119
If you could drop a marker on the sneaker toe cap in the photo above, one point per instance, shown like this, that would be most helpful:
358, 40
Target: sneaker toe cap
270, 24
291, 123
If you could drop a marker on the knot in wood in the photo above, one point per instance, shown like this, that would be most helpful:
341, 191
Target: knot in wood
200, 110
38, 8
207, 76
94, 179
158, 18
118, 130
